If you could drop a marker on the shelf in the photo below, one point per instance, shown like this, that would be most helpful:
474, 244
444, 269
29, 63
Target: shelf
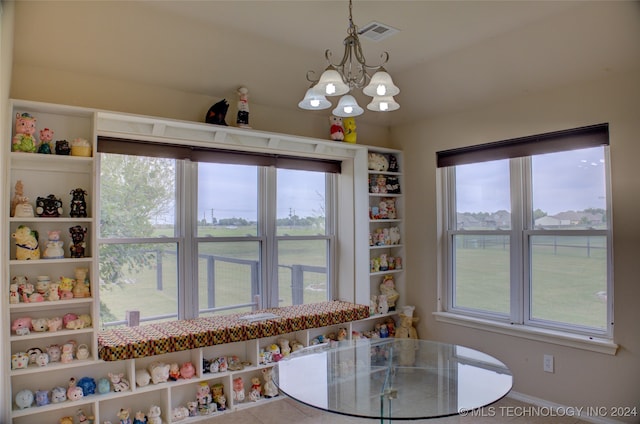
386, 246
38, 335
49, 261
378, 221
391, 271
385, 194
50, 163
49, 305
15, 413
372, 172
52, 366
38, 219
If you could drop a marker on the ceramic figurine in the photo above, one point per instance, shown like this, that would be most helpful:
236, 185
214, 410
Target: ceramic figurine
27, 246
388, 288
58, 394
81, 287
408, 335
66, 420
83, 352
269, 390
349, 125
14, 296
243, 107
204, 399
179, 414
24, 399
33, 354
120, 384
20, 206
174, 371
19, 360
219, 397
53, 249
54, 352
78, 244
73, 391
49, 207
42, 397
217, 113
46, 137
42, 284
54, 291
336, 130
78, 207
80, 147
383, 306
143, 378
24, 140
39, 324
88, 385
193, 408
104, 386
238, 390
187, 370
153, 416
63, 148
123, 416
21, 326
140, 418
159, 372
256, 390
66, 356
83, 418
66, 289
54, 324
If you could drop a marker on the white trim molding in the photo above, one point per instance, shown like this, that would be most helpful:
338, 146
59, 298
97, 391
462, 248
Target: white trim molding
593, 344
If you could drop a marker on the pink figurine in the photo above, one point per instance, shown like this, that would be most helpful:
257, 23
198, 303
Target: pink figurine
24, 141
187, 370
238, 390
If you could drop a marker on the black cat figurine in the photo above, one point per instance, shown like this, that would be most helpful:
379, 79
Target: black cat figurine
217, 113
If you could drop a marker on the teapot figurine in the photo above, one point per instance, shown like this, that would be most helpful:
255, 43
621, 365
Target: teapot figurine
53, 249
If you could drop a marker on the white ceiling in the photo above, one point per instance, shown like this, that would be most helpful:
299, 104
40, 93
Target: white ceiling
449, 55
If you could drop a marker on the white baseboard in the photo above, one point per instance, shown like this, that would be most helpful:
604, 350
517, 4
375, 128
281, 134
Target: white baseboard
592, 415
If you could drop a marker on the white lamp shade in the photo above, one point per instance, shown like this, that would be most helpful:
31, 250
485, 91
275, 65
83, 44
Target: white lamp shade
383, 104
347, 106
331, 83
381, 84
313, 100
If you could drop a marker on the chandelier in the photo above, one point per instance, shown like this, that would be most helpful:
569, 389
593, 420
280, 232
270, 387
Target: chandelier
351, 72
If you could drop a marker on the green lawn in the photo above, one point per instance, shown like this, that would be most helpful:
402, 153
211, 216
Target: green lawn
232, 280
568, 284
569, 279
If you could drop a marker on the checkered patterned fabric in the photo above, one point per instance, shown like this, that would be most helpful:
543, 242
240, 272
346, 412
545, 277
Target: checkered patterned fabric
156, 339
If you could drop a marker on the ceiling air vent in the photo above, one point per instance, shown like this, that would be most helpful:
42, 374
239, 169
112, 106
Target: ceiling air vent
376, 31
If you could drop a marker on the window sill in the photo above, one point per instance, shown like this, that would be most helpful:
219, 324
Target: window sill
593, 344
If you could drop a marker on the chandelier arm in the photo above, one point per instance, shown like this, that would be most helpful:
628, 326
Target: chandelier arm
310, 79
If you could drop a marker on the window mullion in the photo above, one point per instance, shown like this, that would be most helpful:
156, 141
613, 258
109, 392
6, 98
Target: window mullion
518, 263
186, 223
267, 199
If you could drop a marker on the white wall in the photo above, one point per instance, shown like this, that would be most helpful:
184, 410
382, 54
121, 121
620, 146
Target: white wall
581, 378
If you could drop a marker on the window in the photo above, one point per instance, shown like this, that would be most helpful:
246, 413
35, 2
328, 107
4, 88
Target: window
527, 232
181, 238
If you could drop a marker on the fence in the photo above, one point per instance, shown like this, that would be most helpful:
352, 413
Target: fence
297, 284
586, 244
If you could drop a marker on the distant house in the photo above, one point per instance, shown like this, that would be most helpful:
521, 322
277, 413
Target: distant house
570, 218
551, 221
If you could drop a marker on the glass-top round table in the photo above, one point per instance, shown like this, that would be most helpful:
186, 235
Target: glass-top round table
393, 379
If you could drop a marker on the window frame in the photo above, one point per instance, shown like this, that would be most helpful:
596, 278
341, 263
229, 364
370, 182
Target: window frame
187, 239
519, 321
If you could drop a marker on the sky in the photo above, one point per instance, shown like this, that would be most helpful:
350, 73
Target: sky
231, 191
572, 180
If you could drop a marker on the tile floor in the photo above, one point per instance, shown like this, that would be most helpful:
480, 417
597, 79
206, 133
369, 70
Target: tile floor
288, 411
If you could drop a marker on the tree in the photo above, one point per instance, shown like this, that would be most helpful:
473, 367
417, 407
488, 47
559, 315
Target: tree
135, 192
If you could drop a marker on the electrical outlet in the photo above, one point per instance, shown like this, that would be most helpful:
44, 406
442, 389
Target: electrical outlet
547, 364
